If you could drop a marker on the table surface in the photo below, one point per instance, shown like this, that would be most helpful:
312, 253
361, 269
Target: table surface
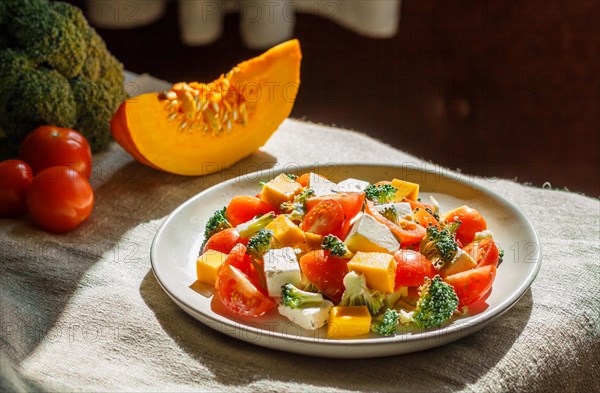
83, 311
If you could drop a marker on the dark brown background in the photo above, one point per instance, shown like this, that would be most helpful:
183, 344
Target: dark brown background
509, 89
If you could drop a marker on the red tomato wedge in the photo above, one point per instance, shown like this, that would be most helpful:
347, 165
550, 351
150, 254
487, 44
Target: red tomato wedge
424, 218
473, 284
471, 222
411, 268
239, 295
243, 208
325, 218
325, 272
224, 241
484, 252
351, 202
407, 232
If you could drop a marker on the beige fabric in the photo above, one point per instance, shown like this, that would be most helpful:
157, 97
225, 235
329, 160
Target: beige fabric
83, 312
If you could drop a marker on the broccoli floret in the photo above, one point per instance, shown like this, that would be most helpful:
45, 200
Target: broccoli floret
391, 213
296, 298
439, 245
296, 210
381, 194
260, 243
358, 294
335, 246
216, 223
249, 228
387, 323
437, 302
500, 255
55, 70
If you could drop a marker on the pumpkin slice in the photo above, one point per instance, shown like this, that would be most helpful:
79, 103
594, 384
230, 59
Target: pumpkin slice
197, 128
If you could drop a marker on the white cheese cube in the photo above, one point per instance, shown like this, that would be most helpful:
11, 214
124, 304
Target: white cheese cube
369, 235
281, 266
352, 185
403, 208
461, 262
320, 185
309, 318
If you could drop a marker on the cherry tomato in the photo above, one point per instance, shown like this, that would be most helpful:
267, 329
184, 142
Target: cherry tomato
243, 208
326, 218
15, 178
239, 294
325, 272
471, 223
484, 252
351, 202
303, 179
471, 285
59, 199
49, 146
224, 241
424, 218
238, 258
411, 268
407, 232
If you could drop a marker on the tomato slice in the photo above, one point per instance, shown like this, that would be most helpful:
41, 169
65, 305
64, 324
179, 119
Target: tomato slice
424, 218
325, 272
473, 284
243, 208
351, 202
471, 222
224, 241
326, 218
411, 268
407, 232
239, 294
485, 252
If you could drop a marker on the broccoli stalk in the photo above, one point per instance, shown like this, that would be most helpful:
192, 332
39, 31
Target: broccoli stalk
216, 223
336, 247
358, 294
381, 194
439, 246
437, 302
249, 228
296, 298
387, 323
296, 210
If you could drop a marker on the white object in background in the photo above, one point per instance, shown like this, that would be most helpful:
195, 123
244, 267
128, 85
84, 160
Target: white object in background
263, 23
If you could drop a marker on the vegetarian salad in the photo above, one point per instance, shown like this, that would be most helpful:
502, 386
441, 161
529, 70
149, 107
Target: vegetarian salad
352, 256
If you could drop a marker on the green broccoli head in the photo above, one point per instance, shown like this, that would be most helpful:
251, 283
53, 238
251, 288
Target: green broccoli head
437, 303
439, 245
381, 194
296, 210
357, 293
216, 223
387, 323
335, 246
259, 243
55, 70
296, 298
391, 213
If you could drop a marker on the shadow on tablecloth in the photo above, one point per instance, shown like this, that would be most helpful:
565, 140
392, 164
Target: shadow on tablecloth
235, 363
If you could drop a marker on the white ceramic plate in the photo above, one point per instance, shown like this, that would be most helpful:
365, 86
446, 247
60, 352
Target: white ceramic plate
178, 240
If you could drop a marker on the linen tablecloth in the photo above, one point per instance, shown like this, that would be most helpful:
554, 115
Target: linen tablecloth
83, 311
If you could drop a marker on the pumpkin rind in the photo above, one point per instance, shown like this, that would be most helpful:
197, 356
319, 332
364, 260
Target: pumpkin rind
267, 85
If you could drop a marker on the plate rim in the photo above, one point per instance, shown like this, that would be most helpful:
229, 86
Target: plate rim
458, 327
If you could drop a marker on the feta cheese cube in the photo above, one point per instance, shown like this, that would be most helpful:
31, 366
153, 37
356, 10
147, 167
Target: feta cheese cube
281, 266
352, 185
368, 234
309, 318
321, 186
